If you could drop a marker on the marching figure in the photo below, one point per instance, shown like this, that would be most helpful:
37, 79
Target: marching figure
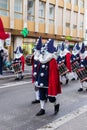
48, 78
35, 67
61, 60
18, 63
82, 71
75, 59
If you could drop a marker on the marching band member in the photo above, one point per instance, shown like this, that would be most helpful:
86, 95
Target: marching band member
75, 59
61, 63
19, 58
48, 78
82, 72
35, 68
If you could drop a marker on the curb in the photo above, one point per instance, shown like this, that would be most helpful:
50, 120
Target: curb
26, 75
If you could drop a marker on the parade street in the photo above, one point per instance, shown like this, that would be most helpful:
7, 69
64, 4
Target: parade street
17, 112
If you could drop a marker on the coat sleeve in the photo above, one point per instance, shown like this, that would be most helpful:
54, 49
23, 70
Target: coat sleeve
23, 62
54, 87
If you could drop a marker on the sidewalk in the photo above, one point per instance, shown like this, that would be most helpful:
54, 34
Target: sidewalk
77, 120
9, 74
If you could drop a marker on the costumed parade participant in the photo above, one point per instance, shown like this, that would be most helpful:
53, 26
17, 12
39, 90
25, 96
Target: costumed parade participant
61, 63
35, 68
1, 58
68, 63
48, 78
82, 71
75, 60
3, 36
18, 63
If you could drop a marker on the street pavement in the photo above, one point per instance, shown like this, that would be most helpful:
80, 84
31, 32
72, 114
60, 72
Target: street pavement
76, 119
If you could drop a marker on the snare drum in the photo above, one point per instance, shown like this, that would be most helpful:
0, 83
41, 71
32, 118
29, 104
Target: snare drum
75, 66
17, 67
82, 74
62, 69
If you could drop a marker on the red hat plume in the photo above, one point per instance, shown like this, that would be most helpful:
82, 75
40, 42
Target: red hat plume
3, 35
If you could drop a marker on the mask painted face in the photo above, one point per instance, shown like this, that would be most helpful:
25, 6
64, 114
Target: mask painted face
36, 55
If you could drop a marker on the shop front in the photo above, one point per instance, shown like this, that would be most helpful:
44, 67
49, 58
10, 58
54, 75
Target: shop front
28, 45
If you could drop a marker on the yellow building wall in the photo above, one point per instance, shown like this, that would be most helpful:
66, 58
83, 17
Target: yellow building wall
76, 8
6, 21
52, 1
51, 29
18, 24
67, 31
82, 10
43, 0
68, 6
74, 32
31, 26
41, 27
60, 30
61, 3
81, 33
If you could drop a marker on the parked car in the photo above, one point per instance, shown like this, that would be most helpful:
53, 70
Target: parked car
28, 60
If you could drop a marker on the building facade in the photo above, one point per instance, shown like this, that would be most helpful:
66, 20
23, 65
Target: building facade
57, 19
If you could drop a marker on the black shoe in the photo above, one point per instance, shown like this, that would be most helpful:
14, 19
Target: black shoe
35, 101
41, 112
73, 79
67, 81
17, 79
80, 89
56, 108
22, 77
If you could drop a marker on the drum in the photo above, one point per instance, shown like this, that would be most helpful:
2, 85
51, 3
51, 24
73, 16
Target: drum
75, 66
62, 69
82, 74
17, 67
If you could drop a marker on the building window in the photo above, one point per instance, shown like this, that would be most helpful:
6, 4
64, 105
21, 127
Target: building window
81, 25
51, 14
74, 22
60, 17
74, 26
18, 9
76, 2
81, 3
4, 7
68, 14
67, 25
68, 1
81, 21
31, 10
41, 12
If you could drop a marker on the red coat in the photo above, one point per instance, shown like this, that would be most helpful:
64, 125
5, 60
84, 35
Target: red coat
68, 63
54, 87
23, 62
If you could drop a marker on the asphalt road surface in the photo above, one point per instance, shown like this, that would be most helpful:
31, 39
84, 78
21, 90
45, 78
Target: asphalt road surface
17, 112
